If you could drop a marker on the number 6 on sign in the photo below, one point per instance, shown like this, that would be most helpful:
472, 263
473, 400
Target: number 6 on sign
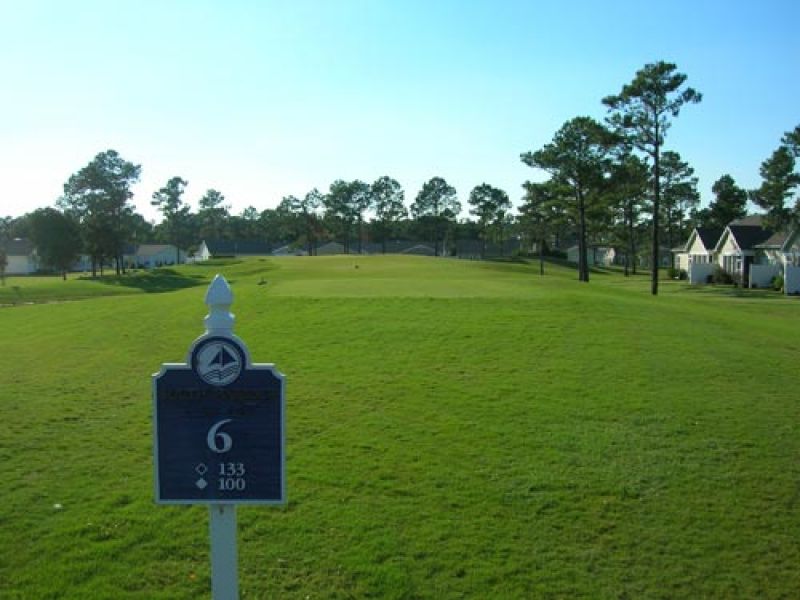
219, 441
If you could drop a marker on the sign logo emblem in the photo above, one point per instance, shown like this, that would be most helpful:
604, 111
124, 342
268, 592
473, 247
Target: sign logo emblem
218, 362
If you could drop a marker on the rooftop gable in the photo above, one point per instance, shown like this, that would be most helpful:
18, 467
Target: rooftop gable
706, 237
747, 237
709, 236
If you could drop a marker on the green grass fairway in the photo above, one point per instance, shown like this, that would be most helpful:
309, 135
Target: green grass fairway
455, 429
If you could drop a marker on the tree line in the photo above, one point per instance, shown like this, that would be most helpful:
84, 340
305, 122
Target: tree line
95, 217
611, 183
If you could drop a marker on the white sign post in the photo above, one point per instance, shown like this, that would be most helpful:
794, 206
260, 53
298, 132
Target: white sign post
219, 428
224, 569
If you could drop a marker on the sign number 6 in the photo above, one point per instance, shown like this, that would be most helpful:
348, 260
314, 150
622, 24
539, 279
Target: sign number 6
219, 441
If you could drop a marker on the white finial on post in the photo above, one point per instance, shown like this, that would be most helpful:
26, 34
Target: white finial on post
219, 297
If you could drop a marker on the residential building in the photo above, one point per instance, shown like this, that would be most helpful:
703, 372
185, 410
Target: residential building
21, 257
231, 249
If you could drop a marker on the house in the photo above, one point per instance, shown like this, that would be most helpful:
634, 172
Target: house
330, 248
150, 256
645, 255
736, 249
747, 249
420, 250
231, 249
288, 250
779, 255
696, 257
21, 257
84, 263
595, 255
399, 247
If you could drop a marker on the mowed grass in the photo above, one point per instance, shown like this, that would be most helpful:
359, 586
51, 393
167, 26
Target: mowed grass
455, 430
33, 289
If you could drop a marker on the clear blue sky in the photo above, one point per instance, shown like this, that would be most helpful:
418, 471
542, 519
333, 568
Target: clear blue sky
263, 99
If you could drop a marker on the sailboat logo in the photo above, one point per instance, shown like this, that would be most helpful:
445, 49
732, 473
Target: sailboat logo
218, 363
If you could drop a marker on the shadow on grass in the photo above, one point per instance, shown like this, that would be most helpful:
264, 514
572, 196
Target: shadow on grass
510, 263
729, 291
566, 264
153, 282
504, 260
217, 262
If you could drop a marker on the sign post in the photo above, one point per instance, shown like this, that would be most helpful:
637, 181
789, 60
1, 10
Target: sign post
218, 422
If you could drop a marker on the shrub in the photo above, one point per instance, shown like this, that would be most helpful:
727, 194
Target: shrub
721, 276
777, 283
675, 273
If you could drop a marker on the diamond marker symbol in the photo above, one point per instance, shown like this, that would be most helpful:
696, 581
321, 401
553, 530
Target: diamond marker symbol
201, 469
201, 483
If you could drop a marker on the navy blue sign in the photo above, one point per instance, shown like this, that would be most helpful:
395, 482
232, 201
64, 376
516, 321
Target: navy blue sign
219, 428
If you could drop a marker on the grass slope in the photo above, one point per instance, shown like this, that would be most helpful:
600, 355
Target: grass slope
455, 429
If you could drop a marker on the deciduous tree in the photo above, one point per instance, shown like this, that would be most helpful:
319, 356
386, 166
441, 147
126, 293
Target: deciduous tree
245, 225
490, 205
387, 197
345, 205
57, 239
213, 214
98, 196
436, 205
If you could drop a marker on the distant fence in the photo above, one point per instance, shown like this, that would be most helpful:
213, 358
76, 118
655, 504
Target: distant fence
791, 280
474, 249
700, 272
761, 276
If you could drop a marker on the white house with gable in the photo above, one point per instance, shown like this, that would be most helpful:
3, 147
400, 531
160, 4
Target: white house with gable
150, 256
21, 257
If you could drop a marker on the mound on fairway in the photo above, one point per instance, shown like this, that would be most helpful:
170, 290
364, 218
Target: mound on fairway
455, 429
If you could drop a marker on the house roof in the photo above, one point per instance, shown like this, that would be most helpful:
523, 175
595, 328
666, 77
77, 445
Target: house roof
421, 249
235, 247
18, 247
288, 250
751, 220
709, 236
748, 237
776, 240
153, 249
